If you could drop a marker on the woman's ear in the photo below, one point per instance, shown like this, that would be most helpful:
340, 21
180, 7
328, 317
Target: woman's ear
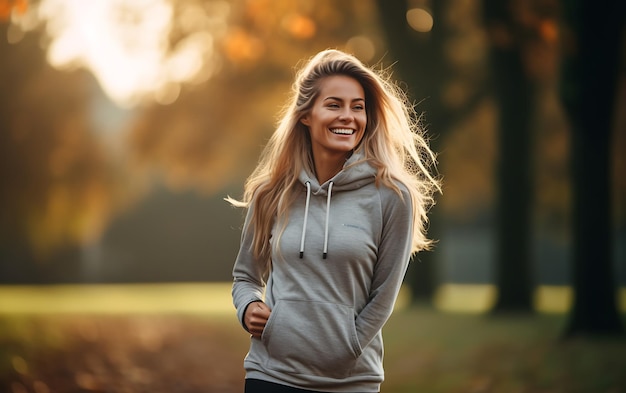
305, 120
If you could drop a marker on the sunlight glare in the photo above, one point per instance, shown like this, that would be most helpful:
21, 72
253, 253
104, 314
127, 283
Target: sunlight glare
125, 44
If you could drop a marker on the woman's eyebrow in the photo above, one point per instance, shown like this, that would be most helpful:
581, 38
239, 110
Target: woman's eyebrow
341, 99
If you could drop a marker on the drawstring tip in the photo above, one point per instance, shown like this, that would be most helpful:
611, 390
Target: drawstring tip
324, 256
301, 254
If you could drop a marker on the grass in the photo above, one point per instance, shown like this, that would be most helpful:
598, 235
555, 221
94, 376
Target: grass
174, 339
428, 351
195, 298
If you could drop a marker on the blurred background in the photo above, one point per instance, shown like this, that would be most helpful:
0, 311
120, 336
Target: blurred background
124, 124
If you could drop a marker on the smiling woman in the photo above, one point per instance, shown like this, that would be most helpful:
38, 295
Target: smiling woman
336, 207
336, 123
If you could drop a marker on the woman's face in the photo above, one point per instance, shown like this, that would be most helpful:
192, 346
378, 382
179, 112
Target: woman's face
337, 119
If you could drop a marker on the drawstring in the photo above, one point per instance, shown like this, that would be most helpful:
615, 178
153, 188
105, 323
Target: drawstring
330, 188
306, 215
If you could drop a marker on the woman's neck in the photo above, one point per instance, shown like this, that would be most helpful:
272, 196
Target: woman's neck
327, 167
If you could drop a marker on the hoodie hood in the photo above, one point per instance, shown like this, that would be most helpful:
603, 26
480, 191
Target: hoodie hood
356, 173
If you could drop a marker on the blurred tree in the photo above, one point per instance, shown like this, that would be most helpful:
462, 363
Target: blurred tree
53, 175
513, 94
418, 55
590, 71
523, 62
437, 48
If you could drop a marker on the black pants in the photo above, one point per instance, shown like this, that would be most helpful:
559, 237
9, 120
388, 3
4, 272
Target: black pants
258, 386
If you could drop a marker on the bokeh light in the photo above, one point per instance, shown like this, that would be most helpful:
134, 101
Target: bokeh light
362, 47
420, 20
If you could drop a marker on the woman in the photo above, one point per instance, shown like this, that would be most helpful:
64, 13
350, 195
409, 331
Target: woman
336, 207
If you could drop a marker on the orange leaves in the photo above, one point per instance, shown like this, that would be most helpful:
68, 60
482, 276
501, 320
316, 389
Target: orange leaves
242, 47
299, 26
246, 46
9, 6
549, 30
282, 32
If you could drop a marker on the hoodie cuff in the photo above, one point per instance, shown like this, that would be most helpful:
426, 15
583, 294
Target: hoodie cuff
243, 314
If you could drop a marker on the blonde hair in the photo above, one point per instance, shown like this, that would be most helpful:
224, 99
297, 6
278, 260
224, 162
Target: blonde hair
393, 143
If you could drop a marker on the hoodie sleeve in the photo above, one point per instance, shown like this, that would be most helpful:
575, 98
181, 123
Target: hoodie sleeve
393, 258
248, 273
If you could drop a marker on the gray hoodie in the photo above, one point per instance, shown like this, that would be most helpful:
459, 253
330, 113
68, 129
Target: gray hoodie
332, 286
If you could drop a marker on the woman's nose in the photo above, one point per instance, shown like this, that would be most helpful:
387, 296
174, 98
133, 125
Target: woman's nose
346, 115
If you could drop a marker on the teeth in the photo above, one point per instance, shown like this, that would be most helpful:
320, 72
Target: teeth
342, 131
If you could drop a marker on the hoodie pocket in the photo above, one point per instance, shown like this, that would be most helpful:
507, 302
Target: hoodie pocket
312, 338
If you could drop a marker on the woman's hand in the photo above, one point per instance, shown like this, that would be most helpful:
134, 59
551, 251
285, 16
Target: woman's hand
256, 317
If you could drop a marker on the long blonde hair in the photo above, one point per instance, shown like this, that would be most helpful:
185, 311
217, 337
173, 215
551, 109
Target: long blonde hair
393, 143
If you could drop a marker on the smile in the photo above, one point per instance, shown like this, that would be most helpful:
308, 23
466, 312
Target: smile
342, 131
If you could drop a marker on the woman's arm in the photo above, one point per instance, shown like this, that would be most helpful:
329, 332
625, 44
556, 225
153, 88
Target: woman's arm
248, 281
394, 252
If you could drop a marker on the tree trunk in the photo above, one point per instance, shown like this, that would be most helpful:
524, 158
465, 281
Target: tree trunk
513, 95
419, 66
588, 91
